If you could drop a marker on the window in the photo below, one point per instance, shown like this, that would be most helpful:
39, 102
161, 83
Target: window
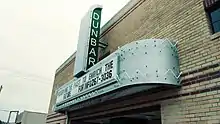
213, 12
215, 20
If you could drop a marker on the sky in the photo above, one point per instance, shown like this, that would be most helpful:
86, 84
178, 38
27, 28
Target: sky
36, 37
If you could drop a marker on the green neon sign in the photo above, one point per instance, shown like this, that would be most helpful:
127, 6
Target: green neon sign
94, 38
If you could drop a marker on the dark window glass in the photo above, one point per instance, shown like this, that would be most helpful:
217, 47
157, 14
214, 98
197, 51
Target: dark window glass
216, 26
214, 17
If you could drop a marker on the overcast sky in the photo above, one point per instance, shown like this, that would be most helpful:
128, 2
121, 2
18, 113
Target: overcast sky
36, 37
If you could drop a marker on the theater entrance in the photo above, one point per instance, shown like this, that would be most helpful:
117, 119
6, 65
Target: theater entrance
144, 118
150, 115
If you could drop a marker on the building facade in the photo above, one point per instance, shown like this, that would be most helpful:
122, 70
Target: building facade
28, 117
194, 28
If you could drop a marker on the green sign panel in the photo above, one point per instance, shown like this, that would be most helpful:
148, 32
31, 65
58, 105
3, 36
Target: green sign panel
94, 38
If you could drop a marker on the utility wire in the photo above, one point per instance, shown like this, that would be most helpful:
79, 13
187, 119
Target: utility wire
4, 110
23, 73
27, 76
34, 80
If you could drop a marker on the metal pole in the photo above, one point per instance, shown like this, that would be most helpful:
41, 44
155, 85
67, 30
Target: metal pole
67, 117
10, 116
16, 116
1, 87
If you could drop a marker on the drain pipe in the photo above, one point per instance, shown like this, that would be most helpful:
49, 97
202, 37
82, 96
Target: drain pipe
67, 117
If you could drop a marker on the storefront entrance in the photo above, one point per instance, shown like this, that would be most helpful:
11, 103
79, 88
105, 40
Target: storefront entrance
150, 115
134, 121
137, 119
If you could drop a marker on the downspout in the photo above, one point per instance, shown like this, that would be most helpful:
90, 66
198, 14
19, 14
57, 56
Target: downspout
67, 117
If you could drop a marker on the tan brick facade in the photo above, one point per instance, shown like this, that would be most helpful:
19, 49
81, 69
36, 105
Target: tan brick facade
185, 21
62, 76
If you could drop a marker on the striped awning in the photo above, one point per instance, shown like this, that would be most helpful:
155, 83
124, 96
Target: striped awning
210, 3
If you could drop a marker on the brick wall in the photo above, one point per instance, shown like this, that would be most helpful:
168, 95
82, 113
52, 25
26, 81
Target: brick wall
64, 75
201, 108
185, 21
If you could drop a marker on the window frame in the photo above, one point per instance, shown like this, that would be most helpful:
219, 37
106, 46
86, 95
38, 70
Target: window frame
208, 13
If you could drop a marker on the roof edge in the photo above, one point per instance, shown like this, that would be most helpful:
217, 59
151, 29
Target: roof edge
119, 14
66, 62
34, 112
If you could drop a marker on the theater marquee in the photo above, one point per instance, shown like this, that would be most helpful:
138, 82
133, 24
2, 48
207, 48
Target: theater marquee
147, 63
137, 66
100, 76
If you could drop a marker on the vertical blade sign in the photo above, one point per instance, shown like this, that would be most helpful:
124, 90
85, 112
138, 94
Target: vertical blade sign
94, 38
87, 46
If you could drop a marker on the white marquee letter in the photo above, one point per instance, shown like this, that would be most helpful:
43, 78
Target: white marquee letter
94, 33
91, 60
93, 24
92, 51
93, 42
95, 16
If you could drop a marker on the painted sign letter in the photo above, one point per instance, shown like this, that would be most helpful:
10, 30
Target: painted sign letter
94, 38
88, 41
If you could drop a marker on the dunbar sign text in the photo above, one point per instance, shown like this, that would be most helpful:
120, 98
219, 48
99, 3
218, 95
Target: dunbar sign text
94, 38
88, 41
